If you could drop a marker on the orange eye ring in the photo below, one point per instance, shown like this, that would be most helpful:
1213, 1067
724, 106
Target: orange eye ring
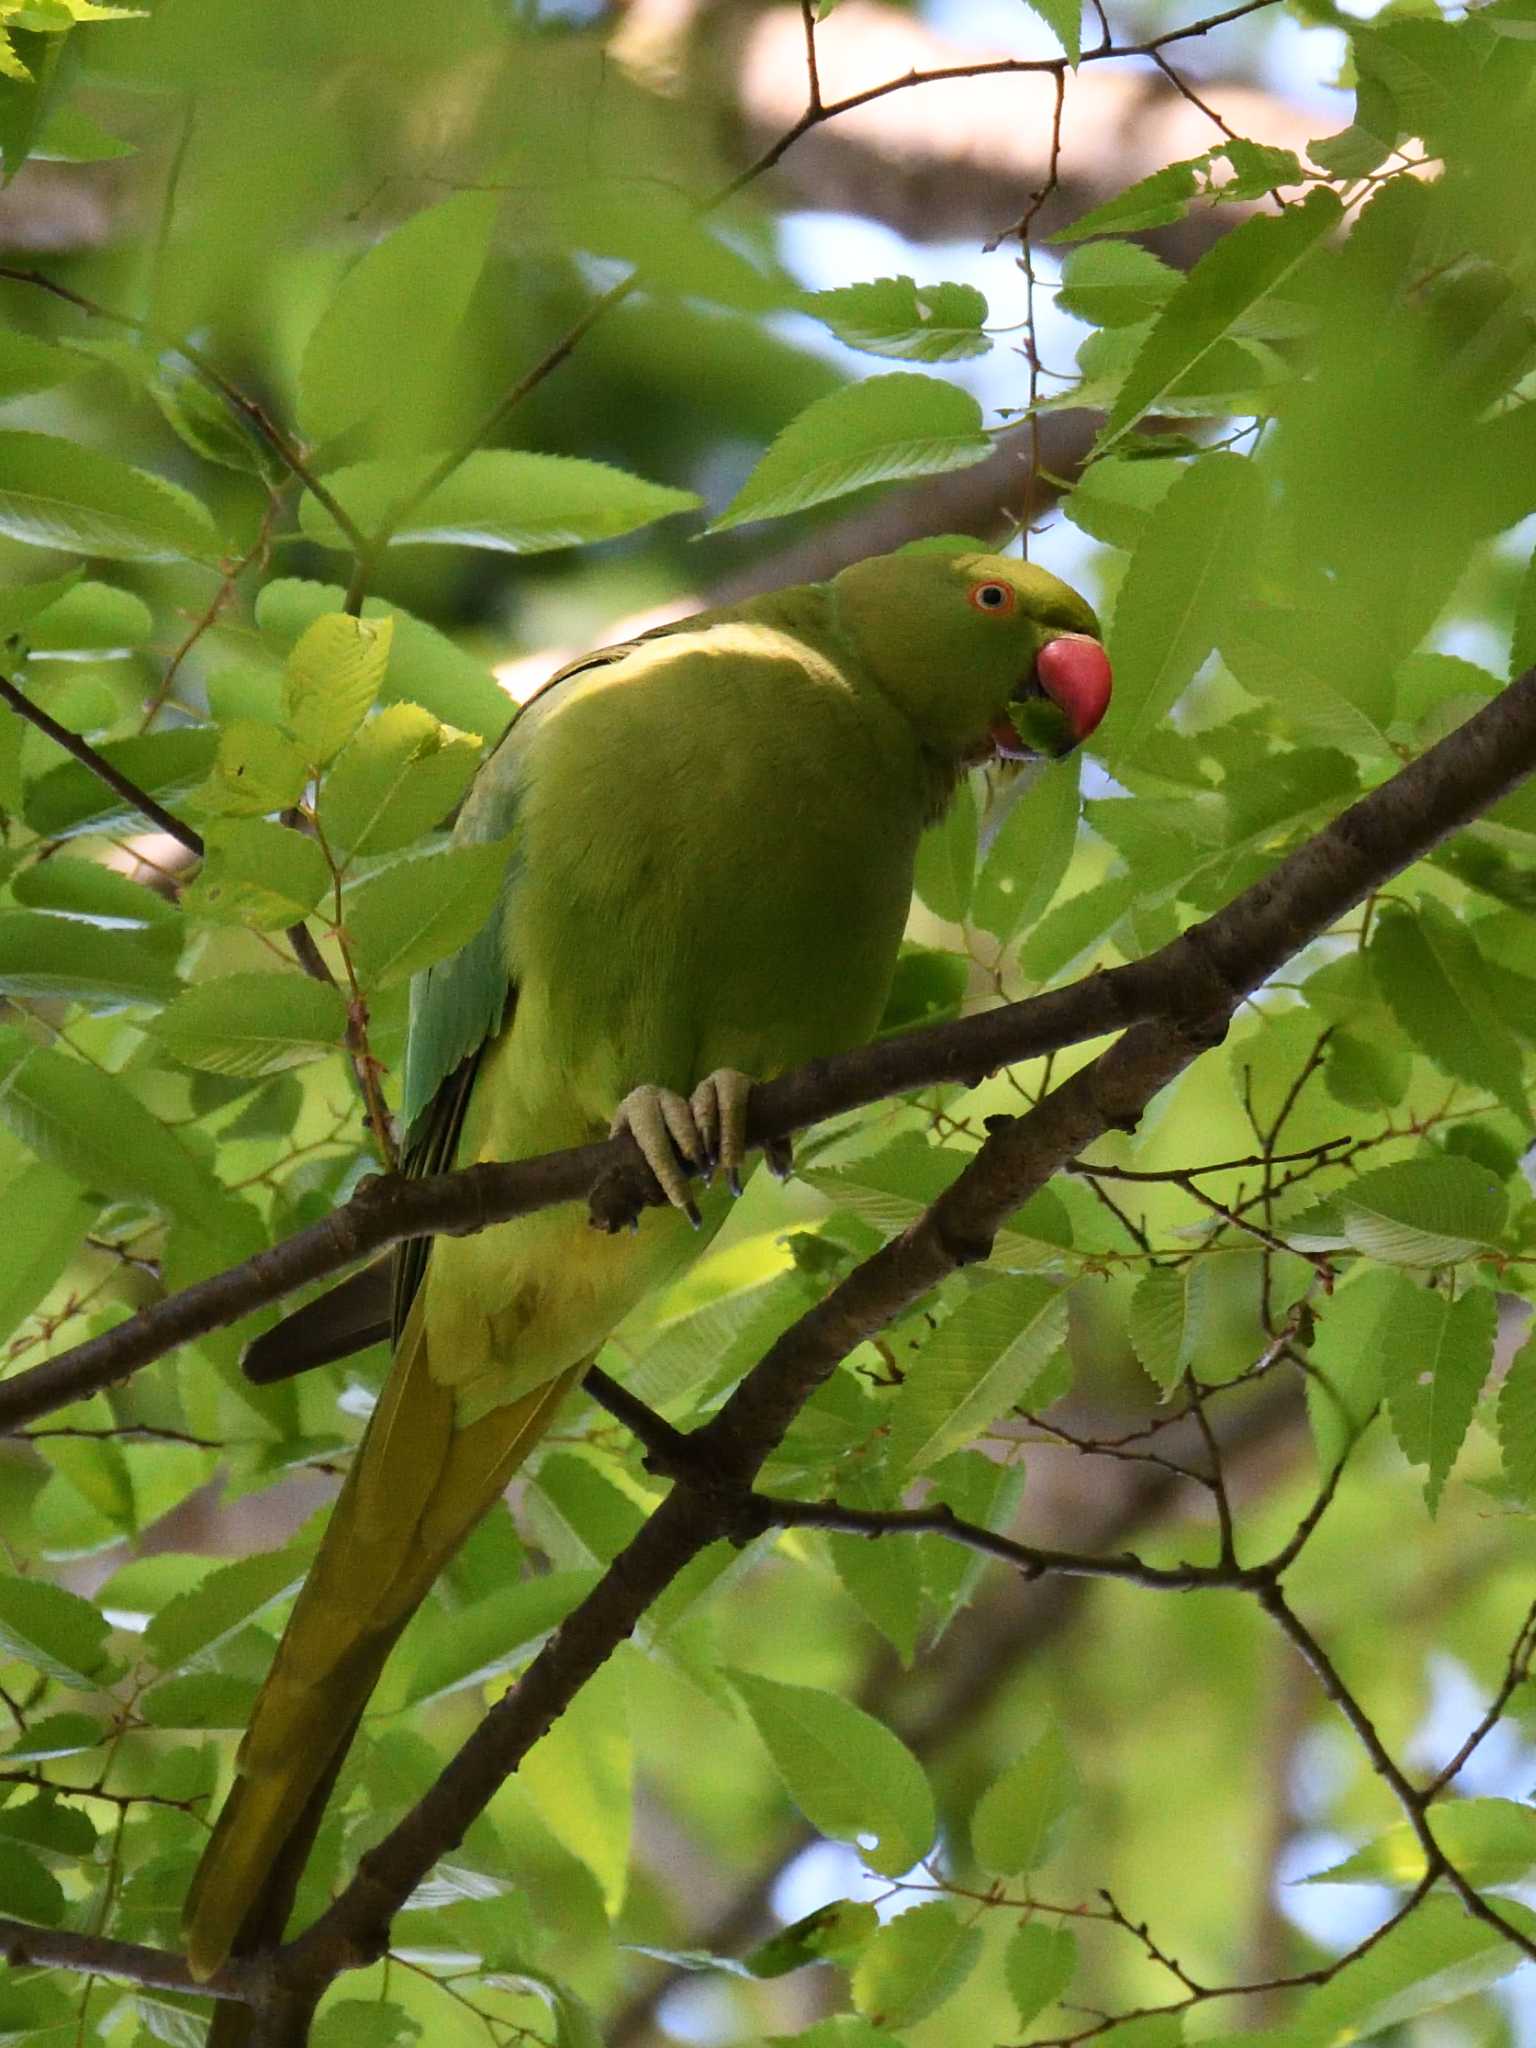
997, 598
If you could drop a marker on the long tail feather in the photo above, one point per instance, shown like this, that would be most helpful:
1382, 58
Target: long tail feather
418, 1485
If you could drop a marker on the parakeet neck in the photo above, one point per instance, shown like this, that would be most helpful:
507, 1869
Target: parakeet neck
810, 612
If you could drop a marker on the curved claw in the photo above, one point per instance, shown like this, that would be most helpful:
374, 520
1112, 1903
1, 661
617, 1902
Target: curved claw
662, 1125
719, 1106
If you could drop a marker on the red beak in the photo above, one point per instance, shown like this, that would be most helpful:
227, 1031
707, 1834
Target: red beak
1074, 673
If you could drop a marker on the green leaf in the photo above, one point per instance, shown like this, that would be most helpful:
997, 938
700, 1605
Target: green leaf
365, 2023
257, 874
57, 494
71, 799
834, 1933
1115, 284
946, 860
939, 323
1154, 202
87, 1123
46, 1219
1064, 18
98, 895
221, 1605
476, 1644
1517, 1422
1018, 1820
332, 677
1168, 1309
1258, 168
1113, 500
257, 769
887, 427
914, 1964
425, 666
1442, 1353
1437, 1955
1029, 854
1039, 1966
1424, 1212
24, 602
55, 1632
1492, 1842
1184, 581
580, 1777
848, 1774
28, 1889
983, 1360
413, 286
500, 498
251, 1025
1233, 275
400, 776
54, 1736
422, 910
28, 365
1431, 974
65, 959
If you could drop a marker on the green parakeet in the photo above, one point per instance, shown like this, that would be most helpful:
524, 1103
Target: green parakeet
715, 830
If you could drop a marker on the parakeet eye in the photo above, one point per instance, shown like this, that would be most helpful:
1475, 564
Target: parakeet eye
992, 597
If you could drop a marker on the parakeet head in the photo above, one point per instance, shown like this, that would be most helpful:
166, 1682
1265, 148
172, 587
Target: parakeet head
989, 658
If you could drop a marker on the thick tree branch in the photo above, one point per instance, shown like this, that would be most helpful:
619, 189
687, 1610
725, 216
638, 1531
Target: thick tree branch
48, 1948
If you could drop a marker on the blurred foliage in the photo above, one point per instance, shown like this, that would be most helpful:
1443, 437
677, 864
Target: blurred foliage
306, 362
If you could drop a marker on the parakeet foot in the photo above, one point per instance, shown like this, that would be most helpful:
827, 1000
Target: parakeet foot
679, 1136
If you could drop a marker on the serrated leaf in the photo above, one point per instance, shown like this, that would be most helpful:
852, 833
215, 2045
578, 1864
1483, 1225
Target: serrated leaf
1429, 971
422, 910
580, 1777
425, 666
894, 317
1153, 202
27, 364
1167, 1318
1442, 1353
98, 895
946, 860
258, 874
1028, 856
57, 494
848, 1774
886, 427
1064, 18
414, 286
1114, 500
983, 1360
396, 779
1185, 580
1425, 1211
55, 1632
71, 799
365, 2023
46, 1217
1115, 284
223, 1603
1437, 1955
833, 1933
1517, 1422
251, 1025
1232, 276
332, 677
257, 769
915, 1964
54, 1736
65, 959
199, 1699
1039, 1966
1017, 1821
501, 498
28, 1889
1492, 1842
90, 620
90, 1125
486, 1640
